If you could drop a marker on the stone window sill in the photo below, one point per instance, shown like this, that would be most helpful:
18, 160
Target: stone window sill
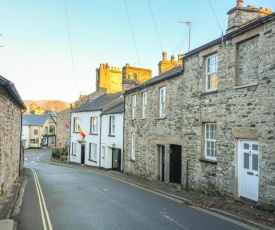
133, 160
93, 134
208, 161
143, 118
161, 118
209, 92
245, 86
111, 135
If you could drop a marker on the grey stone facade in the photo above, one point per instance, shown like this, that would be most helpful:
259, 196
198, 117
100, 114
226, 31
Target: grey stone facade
11, 106
243, 108
63, 128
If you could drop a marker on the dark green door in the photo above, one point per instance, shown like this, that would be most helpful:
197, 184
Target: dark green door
175, 164
82, 154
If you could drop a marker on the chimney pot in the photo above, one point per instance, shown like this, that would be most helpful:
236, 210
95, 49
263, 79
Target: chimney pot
164, 56
240, 3
172, 58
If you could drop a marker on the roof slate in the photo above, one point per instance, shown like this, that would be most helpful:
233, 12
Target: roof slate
35, 120
99, 103
117, 109
12, 91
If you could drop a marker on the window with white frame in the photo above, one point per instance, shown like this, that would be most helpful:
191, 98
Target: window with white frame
133, 144
162, 100
94, 125
76, 123
103, 151
144, 104
51, 141
211, 73
134, 103
46, 130
73, 148
112, 125
93, 152
210, 141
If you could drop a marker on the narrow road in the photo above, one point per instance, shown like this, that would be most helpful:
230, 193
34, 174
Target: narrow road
61, 198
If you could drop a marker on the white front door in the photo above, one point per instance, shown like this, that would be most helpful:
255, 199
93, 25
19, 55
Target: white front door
249, 181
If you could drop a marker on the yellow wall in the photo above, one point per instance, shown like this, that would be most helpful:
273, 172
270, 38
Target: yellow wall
165, 65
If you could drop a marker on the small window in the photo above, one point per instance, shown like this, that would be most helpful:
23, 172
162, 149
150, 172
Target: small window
211, 73
144, 104
162, 101
73, 148
93, 152
210, 141
112, 125
76, 124
46, 130
133, 152
35, 131
52, 129
134, 102
94, 125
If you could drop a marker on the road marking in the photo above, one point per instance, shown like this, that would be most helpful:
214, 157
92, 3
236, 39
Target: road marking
224, 217
42, 203
157, 193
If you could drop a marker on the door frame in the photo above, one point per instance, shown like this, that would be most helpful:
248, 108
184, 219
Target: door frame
161, 152
240, 163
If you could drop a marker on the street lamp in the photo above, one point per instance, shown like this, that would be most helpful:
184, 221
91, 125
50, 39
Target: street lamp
188, 23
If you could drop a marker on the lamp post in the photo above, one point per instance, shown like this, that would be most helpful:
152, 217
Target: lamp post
188, 23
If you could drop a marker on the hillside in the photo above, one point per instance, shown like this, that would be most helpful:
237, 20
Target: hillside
48, 105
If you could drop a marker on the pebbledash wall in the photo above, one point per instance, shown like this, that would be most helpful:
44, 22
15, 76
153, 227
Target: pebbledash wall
11, 106
243, 108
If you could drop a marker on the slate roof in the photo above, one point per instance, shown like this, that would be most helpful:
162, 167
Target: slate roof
24, 122
99, 103
12, 91
35, 120
116, 109
162, 77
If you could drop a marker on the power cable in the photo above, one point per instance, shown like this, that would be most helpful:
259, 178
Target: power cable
215, 15
69, 35
155, 25
132, 31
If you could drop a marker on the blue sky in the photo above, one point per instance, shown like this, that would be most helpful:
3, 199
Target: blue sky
36, 54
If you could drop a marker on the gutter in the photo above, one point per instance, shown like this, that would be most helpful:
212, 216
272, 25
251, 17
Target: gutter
144, 85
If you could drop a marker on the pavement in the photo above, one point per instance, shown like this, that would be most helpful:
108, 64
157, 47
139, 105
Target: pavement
242, 210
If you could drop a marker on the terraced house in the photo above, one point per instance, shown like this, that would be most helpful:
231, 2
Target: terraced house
11, 155
209, 124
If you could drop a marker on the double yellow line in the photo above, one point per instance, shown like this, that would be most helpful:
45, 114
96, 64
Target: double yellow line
43, 208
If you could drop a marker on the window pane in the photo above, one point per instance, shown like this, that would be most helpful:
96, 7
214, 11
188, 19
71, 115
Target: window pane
255, 147
246, 146
255, 162
246, 160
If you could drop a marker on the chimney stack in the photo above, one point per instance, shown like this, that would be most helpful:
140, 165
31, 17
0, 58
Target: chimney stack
241, 15
164, 56
239, 3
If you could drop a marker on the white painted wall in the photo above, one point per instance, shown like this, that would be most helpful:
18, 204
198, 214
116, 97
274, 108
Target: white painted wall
85, 118
110, 142
26, 136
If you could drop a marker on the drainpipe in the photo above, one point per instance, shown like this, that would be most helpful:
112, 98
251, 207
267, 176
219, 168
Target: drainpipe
99, 161
123, 134
187, 173
21, 152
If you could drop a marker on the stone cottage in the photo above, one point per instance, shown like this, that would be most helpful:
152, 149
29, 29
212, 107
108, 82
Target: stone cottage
209, 125
11, 160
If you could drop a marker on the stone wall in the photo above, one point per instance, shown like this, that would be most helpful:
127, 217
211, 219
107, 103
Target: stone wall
245, 111
10, 126
63, 128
